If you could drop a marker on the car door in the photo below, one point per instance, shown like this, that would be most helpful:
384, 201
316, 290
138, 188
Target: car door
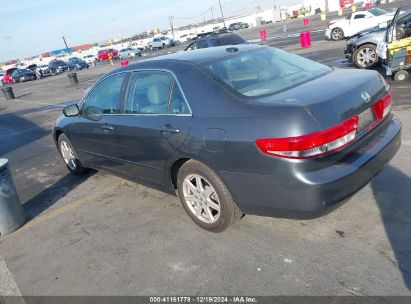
154, 125
92, 133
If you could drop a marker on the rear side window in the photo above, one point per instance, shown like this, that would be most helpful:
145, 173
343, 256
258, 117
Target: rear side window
202, 44
264, 71
105, 97
154, 92
359, 16
148, 93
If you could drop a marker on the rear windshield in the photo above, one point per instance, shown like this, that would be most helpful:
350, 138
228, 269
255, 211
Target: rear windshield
231, 39
265, 71
377, 11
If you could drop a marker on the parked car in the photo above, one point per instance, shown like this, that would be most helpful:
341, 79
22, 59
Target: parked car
362, 47
42, 69
129, 53
7, 76
237, 26
356, 22
215, 40
160, 43
2, 76
21, 75
90, 58
246, 129
58, 66
77, 63
187, 37
103, 54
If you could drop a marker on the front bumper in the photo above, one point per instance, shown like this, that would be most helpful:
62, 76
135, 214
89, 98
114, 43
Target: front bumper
305, 189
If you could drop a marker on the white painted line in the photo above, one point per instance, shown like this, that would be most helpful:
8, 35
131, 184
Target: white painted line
8, 286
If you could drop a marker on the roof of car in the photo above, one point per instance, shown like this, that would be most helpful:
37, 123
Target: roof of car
202, 55
197, 56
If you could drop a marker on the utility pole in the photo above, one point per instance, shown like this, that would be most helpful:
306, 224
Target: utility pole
212, 14
67, 48
171, 25
221, 9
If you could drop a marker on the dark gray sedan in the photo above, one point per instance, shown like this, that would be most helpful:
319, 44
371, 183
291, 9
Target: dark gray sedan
236, 130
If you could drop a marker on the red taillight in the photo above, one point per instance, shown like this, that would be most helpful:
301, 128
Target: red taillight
313, 144
383, 106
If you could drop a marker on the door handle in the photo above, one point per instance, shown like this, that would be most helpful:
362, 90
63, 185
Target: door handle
169, 129
107, 127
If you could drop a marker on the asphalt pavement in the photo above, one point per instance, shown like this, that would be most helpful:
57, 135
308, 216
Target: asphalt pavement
102, 235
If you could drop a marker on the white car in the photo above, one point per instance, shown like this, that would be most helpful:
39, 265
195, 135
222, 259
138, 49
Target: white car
356, 22
129, 53
160, 43
90, 58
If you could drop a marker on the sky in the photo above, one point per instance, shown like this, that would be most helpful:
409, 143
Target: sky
31, 27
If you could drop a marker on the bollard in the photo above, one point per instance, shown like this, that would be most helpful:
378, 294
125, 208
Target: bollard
73, 78
305, 39
263, 35
8, 93
353, 8
124, 63
12, 214
340, 12
306, 21
323, 17
367, 5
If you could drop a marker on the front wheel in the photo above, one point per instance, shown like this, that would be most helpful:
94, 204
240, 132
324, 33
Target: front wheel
337, 34
205, 198
365, 57
69, 156
401, 75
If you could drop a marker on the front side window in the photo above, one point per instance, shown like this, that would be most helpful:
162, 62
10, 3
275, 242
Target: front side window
359, 16
193, 46
154, 92
264, 71
105, 97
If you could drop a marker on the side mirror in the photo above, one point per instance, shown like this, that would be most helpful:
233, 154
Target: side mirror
71, 110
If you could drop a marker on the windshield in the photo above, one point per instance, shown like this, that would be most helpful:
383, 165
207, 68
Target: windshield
265, 71
377, 11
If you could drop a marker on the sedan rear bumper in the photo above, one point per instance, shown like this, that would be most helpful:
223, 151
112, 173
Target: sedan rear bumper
302, 189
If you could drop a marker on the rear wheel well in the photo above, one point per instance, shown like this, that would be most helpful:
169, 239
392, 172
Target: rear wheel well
175, 168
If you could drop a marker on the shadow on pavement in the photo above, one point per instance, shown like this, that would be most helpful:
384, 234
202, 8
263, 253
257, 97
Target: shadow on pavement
392, 191
49, 196
16, 132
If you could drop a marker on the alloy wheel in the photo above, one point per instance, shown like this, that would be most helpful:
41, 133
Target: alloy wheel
201, 198
68, 155
366, 57
337, 34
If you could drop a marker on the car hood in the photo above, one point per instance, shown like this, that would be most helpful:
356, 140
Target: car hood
367, 31
334, 97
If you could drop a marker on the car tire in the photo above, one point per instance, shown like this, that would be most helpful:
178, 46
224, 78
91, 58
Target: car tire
69, 156
337, 34
211, 205
401, 75
164, 46
365, 57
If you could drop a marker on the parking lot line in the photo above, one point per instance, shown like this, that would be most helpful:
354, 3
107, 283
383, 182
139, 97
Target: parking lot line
59, 211
8, 286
